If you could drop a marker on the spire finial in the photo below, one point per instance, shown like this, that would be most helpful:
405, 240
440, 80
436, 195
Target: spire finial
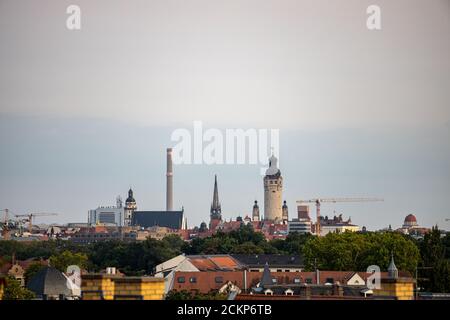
215, 206
392, 269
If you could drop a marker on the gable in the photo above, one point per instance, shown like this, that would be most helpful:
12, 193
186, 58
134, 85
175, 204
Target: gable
356, 280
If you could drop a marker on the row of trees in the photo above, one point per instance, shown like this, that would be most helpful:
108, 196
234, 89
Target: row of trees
357, 251
434, 267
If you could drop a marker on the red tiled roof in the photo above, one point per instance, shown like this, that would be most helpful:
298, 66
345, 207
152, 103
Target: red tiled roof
214, 263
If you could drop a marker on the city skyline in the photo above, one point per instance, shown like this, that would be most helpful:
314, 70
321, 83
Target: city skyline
147, 176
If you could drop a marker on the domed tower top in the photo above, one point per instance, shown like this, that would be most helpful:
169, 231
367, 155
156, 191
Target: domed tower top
130, 196
273, 167
410, 221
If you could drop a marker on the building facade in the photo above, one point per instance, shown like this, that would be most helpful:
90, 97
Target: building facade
273, 192
106, 215
301, 226
175, 220
119, 287
336, 225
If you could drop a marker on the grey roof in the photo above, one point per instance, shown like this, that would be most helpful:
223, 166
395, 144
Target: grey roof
392, 269
266, 279
274, 260
392, 266
49, 281
169, 219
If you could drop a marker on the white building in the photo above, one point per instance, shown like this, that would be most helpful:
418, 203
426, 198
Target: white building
113, 215
336, 225
301, 226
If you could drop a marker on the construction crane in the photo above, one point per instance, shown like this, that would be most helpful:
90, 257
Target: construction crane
30, 217
318, 202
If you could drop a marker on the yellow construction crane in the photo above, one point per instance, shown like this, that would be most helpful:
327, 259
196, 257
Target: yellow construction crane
318, 201
30, 217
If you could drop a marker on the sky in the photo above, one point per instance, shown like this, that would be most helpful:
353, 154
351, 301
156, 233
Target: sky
85, 114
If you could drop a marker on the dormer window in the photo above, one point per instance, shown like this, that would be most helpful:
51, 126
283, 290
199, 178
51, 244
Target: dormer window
268, 292
289, 292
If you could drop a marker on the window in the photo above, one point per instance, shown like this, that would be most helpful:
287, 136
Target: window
308, 280
296, 280
219, 279
279, 270
274, 280
193, 280
330, 280
181, 280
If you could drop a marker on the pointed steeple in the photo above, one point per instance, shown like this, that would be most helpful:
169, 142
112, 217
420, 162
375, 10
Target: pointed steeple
216, 210
392, 269
266, 278
216, 194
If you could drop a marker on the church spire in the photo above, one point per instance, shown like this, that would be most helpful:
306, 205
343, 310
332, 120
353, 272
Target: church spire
216, 210
392, 269
216, 203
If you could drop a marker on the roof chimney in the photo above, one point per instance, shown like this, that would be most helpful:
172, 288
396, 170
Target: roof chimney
169, 181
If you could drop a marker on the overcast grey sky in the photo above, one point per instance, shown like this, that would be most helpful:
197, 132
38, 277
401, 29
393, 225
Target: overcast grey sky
85, 114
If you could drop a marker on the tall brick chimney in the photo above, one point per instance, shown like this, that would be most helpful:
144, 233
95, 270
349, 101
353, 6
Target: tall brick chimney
169, 181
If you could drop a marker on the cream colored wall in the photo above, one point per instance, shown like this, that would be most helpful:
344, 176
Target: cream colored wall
324, 230
402, 290
273, 200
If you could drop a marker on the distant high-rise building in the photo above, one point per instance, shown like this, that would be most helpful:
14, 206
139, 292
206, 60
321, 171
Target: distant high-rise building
130, 207
303, 213
273, 190
107, 215
216, 209
301, 224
